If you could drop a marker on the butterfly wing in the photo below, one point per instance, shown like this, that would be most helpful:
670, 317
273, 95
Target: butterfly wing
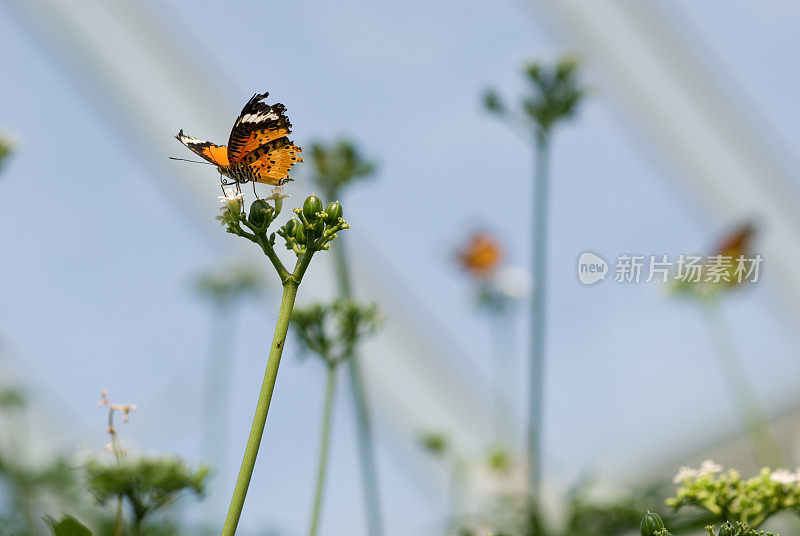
257, 125
738, 242
216, 154
270, 163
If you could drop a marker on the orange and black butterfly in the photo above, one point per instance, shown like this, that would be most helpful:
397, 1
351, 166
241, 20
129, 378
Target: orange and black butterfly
258, 149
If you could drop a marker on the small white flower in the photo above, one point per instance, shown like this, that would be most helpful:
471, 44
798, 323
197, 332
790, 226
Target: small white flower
684, 473
231, 194
513, 283
784, 476
708, 467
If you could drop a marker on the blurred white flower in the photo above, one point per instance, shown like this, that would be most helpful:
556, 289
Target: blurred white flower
683, 474
708, 467
784, 476
513, 283
231, 194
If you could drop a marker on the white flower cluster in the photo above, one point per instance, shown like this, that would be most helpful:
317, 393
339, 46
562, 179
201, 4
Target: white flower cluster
708, 467
786, 477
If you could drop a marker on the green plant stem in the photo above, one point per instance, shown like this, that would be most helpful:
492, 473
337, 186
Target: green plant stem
536, 394
366, 447
765, 447
137, 525
118, 518
260, 418
324, 448
117, 449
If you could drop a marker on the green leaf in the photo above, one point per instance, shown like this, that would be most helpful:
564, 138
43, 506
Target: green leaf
68, 526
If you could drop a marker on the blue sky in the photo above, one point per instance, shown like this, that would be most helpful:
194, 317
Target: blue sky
96, 287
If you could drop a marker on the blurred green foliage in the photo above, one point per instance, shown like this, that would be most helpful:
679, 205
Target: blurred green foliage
434, 443
227, 285
67, 526
5, 151
332, 330
554, 93
338, 164
147, 484
26, 484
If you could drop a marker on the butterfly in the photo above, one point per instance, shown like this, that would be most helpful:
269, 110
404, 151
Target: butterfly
258, 149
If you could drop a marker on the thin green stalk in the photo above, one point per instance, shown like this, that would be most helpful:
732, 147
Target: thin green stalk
324, 448
765, 448
366, 446
535, 417
137, 525
260, 418
118, 518
117, 449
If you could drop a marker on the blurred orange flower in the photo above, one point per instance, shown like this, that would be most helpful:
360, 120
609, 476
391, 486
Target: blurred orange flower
481, 255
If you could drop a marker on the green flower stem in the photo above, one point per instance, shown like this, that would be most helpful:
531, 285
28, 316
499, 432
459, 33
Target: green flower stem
259, 420
535, 416
324, 448
765, 448
366, 447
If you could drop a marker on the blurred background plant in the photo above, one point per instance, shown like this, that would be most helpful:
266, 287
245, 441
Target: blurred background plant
732, 266
30, 485
5, 150
499, 288
148, 486
554, 94
331, 332
34, 490
335, 167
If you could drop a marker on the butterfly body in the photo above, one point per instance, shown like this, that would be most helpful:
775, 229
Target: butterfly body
258, 150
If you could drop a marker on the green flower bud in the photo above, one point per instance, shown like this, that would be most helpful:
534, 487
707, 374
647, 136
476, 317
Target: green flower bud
312, 205
727, 529
260, 212
651, 524
290, 226
334, 212
299, 234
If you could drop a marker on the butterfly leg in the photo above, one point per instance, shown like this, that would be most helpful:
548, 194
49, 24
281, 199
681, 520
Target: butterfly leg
254, 190
223, 182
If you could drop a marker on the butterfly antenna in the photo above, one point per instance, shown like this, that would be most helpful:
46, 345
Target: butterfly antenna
192, 161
